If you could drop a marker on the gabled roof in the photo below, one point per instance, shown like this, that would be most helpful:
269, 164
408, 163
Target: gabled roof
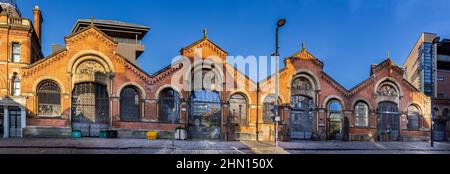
387, 61
305, 54
96, 29
204, 39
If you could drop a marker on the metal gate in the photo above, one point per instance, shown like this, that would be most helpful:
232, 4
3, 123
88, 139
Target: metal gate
205, 116
301, 118
301, 125
90, 109
388, 122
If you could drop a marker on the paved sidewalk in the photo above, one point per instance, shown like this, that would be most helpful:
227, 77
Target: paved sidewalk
142, 146
369, 145
96, 145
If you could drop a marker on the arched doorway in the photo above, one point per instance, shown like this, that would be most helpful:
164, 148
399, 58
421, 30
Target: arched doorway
90, 109
301, 111
388, 121
335, 121
205, 116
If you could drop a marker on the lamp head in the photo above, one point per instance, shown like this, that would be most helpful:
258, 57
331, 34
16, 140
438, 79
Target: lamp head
281, 22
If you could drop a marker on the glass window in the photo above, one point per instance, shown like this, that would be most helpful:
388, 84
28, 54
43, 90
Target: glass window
269, 103
169, 105
238, 109
129, 104
361, 115
335, 120
16, 52
15, 85
413, 118
49, 99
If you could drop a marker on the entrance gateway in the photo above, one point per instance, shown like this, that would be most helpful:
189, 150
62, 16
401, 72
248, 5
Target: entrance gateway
90, 109
388, 121
205, 115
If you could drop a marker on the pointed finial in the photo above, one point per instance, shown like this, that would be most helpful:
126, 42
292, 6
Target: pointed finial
205, 33
92, 20
389, 55
303, 46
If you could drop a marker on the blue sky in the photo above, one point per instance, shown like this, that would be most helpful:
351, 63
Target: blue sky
347, 35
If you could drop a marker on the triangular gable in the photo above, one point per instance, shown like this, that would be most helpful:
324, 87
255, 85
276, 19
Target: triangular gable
386, 63
88, 32
208, 47
306, 55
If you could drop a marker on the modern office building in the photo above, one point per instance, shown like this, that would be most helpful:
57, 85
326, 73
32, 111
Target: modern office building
428, 68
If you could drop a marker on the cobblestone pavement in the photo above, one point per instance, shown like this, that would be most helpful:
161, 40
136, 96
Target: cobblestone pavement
141, 146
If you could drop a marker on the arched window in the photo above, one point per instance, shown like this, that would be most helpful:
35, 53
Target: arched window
49, 99
129, 104
335, 126
15, 85
169, 105
413, 118
238, 109
269, 103
361, 115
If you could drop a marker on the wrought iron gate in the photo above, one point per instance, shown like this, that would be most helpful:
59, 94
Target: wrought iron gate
205, 116
301, 125
90, 109
301, 118
388, 122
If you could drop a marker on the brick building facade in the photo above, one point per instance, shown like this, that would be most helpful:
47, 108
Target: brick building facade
89, 86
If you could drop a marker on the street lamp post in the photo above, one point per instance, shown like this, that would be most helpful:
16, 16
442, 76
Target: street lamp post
280, 23
435, 42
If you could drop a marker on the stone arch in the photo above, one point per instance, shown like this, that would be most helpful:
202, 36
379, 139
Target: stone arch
44, 78
199, 66
334, 97
163, 87
364, 101
387, 81
90, 55
309, 75
391, 81
262, 98
310, 93
243, 93
141, 90
416, 104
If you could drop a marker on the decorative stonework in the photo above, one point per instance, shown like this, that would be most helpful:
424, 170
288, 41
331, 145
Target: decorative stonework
43, 64
79, 37
90, 67
305, 55
204, 43
387, 90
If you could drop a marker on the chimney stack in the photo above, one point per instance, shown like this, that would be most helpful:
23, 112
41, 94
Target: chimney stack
38, 20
